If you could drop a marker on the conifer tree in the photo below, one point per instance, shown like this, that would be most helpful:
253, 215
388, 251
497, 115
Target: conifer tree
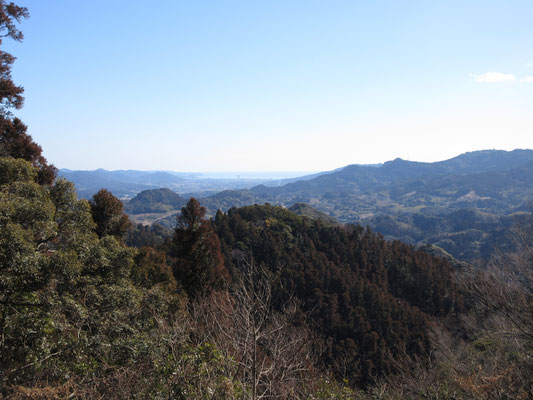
199, 263
108, 214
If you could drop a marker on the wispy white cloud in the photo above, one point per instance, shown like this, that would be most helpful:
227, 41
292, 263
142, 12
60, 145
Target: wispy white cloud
528, 79
493, 77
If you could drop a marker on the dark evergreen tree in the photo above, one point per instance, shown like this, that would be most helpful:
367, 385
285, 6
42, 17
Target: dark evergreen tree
199, 264
151, 268
108, 214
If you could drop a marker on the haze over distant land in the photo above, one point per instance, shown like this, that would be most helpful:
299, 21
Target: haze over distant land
127, 183
464, 205
274, 86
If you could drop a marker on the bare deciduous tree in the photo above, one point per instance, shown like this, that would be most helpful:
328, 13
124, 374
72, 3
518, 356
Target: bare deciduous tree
273, 356
505, 288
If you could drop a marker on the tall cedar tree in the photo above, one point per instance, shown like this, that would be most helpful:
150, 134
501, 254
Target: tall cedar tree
108, 214
14, 141
199, 263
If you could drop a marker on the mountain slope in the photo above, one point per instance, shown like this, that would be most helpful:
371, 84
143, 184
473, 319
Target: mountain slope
415, 201
123, 183
370, 301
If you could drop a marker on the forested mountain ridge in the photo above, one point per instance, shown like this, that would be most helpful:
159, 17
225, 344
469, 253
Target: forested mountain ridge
464, 205
305, 210
402, 177
419, 202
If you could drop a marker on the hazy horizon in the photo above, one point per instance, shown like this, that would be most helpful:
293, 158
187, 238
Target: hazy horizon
245, 175
267, 174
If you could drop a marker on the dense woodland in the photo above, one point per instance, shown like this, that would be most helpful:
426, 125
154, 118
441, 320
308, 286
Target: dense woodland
255, 303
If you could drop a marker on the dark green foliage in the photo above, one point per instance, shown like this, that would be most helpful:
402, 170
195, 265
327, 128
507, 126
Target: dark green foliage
108, 214
199, 265
86, 316
151, 269
90, 316
47, 249
12, 170
305, 210
365, 295
140, 235
154, 201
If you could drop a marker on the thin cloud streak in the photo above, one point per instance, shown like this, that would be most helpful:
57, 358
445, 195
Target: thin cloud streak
493, 77
527, 79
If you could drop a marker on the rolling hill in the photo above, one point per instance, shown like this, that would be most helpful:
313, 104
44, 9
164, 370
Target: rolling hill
465, 205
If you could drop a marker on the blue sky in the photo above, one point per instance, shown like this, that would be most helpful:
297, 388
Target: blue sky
273, 85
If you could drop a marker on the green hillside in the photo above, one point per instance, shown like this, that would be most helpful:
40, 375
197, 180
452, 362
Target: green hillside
154, 201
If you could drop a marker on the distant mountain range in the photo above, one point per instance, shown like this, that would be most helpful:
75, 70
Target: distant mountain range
125, 184
464, 205
490, 180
